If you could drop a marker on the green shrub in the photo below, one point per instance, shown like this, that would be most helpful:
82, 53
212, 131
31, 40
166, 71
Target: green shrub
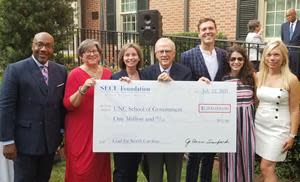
25, 19
290, 169
68, 61
220, 35
185, 34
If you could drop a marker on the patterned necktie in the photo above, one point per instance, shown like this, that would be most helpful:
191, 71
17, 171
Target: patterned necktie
165, 71
44, 70
291, 31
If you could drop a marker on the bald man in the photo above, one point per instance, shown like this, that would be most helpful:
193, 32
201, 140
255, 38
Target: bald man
31, 111
290, 35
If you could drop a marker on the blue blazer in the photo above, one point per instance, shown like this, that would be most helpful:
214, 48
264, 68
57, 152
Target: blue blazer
177, 72
32, 113
193, 59
120, 74
285, 34
294, 53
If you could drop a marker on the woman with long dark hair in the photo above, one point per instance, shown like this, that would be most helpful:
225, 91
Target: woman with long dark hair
239, 166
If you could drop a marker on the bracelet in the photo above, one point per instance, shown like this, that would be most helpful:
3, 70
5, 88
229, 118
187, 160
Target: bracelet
80, 91
292, 135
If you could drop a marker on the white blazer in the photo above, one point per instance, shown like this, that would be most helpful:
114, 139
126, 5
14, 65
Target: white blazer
254, 38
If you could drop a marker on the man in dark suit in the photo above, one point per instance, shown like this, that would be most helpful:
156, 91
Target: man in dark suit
31, 111
290, 35
166, 70
208, 61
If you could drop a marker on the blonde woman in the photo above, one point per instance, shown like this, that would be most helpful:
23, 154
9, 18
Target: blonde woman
277, 116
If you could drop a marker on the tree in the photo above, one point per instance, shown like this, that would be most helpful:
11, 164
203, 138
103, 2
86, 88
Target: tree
21, 20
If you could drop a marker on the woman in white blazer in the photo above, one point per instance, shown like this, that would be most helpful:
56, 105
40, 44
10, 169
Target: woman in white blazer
254, 42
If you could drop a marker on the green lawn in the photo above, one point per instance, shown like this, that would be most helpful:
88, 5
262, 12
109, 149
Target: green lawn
59, 171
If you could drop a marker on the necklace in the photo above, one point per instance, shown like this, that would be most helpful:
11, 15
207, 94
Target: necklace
134, 76
93, 72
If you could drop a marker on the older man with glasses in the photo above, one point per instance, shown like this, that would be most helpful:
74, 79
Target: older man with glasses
165, 70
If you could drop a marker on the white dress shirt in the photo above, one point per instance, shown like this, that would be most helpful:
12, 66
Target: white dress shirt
211, 62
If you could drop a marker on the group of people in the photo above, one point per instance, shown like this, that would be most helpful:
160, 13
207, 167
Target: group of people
39, 104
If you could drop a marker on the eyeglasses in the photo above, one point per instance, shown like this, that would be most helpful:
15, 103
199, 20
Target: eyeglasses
40, 45
166, 51
240, 59
90, 52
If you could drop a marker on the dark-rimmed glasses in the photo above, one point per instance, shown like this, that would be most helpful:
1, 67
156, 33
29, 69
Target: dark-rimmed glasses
90, 52
166, 51
40, 45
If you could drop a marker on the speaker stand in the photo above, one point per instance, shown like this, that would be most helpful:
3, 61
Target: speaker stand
152, 54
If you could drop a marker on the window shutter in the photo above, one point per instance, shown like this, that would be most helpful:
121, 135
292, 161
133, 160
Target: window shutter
111, 20
111, 15
247, 10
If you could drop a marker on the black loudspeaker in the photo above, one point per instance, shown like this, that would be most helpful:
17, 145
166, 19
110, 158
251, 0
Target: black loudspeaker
149, 25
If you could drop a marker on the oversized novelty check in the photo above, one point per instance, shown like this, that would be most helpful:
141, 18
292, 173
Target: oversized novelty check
176, 116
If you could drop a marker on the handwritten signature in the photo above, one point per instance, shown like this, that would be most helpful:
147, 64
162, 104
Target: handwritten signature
189, 141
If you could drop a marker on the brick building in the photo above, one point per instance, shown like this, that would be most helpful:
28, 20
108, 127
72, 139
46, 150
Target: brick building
231, 16
173, 14
89, 14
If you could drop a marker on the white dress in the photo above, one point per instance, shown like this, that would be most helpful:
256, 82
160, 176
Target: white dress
272, 123
6, 168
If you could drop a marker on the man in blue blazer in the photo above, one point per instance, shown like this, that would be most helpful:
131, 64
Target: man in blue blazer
166, 70
31, 111
290, 35
208, 61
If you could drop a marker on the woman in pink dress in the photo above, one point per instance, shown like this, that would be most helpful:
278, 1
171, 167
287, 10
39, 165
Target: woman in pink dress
82, 164
239, 166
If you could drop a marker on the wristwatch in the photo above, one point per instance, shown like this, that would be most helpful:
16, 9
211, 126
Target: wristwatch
292, 135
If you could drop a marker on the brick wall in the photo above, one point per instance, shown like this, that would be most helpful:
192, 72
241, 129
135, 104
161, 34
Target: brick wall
172, 14
89, 6
223, 11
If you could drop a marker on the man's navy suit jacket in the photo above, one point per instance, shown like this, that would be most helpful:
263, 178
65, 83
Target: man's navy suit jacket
177, 72
285, 34
194, 60
294, 53
32, 113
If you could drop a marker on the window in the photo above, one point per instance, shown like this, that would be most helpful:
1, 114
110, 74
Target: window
275, 15
128, 23
95, 15
128, 15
